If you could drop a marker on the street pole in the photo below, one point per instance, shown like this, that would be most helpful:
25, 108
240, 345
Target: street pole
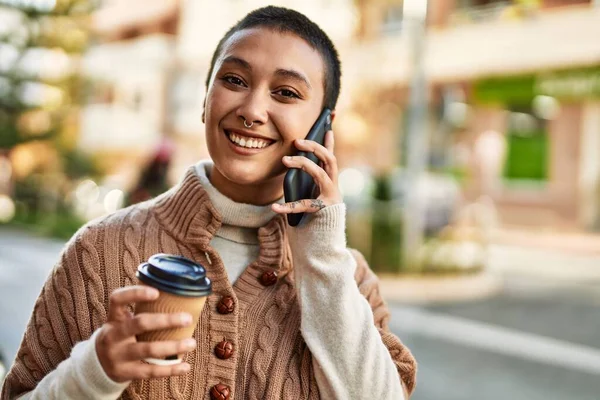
416, 136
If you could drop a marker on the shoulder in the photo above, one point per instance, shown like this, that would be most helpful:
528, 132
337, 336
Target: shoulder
124, 218
111, 226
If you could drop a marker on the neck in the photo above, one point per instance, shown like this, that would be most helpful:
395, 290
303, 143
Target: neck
266, 193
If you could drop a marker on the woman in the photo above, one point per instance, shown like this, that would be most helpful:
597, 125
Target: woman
302, 313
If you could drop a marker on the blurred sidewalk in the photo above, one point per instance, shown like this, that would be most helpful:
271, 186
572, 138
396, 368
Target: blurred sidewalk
572, 242
518, 260
25, 262
572, 256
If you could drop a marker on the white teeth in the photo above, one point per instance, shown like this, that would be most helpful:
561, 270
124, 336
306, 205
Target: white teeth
250, 143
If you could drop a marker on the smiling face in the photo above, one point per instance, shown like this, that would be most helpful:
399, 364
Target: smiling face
274, 81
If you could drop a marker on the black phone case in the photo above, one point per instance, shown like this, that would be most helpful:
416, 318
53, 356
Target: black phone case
297, 184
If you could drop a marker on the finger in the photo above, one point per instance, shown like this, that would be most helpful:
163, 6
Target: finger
300, 206
120, 298
328, 159
146, 322
318, 174
159, 349
320, 151
329, 141
331, 169
149, 371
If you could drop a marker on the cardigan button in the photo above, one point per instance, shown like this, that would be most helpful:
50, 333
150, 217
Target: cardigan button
226, 305
219, 392
268, 278
224, 349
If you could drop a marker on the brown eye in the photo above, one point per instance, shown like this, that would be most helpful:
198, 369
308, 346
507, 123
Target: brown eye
234, 80
288, 93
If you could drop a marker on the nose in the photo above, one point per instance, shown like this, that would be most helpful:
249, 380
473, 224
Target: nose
254, 108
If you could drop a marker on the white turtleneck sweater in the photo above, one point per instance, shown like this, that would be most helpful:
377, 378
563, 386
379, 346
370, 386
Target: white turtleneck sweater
349, 358
236, 241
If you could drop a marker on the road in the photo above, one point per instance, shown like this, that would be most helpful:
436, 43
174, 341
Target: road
539, 339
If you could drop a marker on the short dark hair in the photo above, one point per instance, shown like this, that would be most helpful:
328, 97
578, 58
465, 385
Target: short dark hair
285, 20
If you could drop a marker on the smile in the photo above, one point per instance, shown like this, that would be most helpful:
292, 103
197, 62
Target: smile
247, 142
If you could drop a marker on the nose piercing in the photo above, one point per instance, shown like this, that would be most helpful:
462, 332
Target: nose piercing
246, 124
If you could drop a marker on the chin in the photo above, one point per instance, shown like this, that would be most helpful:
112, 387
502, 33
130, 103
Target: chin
247, 172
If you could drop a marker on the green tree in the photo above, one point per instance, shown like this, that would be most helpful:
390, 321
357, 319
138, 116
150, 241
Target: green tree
41, 91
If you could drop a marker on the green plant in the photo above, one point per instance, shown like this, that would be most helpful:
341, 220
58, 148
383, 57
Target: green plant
60, 225
386, 228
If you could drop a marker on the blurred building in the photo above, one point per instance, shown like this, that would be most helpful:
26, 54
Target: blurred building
513, 88
529, 74
128, 67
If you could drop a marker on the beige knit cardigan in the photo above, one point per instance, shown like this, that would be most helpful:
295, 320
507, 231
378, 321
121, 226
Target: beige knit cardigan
271, 360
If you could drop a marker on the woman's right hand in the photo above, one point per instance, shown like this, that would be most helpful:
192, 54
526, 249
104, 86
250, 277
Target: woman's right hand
118, 350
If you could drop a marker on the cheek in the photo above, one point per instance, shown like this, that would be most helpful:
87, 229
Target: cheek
294, 126
217, 102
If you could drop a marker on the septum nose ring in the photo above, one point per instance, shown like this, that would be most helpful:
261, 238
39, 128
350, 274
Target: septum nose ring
246, 124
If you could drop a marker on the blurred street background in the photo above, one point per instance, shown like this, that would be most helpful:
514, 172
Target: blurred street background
468, 137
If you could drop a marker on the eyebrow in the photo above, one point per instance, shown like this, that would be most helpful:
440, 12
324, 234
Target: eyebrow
236, 60
287, 73
295, 75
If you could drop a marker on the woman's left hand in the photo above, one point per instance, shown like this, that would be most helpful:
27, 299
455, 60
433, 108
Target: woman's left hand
325, 176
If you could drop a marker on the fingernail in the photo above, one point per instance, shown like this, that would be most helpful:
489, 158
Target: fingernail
186, 319
189, 343
152, 293
301, 141
289, 158
184, 367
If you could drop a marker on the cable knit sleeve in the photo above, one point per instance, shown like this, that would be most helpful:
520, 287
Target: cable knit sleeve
69, 308
344, 319
78, 377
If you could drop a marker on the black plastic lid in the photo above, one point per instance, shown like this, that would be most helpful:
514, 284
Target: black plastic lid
175, 274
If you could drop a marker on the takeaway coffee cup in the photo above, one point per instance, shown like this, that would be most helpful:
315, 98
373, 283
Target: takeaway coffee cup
183, 287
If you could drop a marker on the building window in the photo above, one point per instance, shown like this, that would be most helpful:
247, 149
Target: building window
527, 147
481, 3
392, 19
478, 11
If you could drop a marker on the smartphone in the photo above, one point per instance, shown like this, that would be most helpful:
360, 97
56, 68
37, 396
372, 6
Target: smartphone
297, 184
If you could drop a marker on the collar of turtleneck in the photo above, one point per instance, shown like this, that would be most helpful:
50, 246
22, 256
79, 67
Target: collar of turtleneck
240, 221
